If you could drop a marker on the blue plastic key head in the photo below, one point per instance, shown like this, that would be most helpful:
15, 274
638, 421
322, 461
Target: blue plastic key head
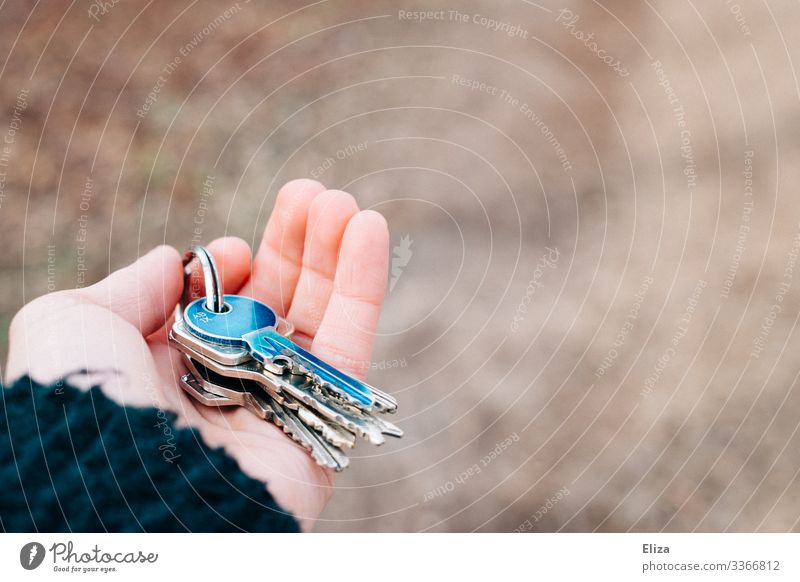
250, 324
266, 344
242, 316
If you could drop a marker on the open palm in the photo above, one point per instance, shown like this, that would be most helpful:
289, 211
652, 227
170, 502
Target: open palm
322, 264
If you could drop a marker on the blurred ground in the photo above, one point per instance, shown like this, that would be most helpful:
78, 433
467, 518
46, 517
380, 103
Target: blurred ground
593, 318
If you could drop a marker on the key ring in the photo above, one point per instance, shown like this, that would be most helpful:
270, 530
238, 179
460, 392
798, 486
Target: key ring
215, 300
213, 284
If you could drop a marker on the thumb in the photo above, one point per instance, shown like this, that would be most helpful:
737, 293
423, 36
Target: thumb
144, 293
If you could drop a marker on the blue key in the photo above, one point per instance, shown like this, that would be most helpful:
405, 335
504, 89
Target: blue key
251, 324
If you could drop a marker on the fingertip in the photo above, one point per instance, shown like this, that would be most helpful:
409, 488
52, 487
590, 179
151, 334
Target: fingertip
230, 247
369, 227
296, 197
163, 262
334, 201
375, 218
301, 185
287, 225
167, 253
145, 292
170, 268
329, 215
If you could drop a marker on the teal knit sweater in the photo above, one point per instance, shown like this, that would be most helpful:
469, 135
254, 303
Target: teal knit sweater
75, 461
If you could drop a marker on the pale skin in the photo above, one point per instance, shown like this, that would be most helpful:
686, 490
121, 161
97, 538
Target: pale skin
322, 263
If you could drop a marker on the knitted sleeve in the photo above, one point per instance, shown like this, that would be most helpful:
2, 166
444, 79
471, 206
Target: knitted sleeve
75, 461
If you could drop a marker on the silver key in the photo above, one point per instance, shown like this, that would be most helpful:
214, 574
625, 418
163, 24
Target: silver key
301, 390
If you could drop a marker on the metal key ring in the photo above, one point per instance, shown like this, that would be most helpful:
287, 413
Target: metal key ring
215, 300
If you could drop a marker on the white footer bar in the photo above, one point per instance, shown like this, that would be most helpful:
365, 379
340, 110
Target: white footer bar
387, 557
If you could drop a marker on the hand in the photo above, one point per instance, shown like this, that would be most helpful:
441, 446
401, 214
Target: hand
322, 264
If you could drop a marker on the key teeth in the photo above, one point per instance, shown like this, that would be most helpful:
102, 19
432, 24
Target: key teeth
334, 436
300, 369
333, 392
323, 462
291, 434
323, 454
357, 421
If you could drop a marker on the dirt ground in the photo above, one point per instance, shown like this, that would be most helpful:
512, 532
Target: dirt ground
592, 322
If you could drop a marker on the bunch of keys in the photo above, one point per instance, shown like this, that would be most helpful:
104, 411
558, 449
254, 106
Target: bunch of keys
239, 353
